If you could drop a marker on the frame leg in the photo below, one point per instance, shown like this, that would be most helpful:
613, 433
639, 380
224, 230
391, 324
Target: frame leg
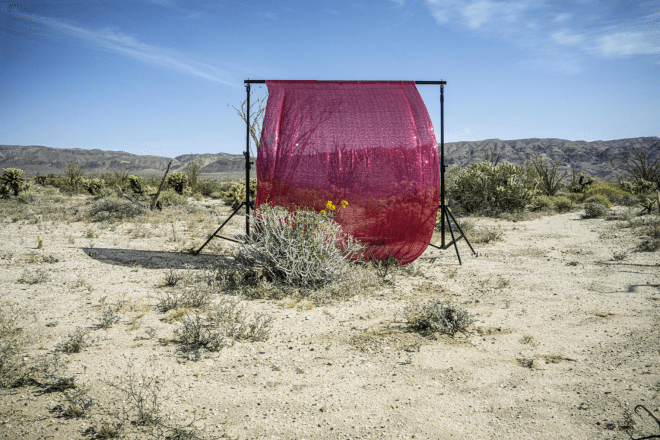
218, 230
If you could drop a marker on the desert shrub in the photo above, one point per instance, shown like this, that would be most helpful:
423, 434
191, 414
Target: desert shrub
94, 186
579, 182
611, 191
50, 373
488, 189
486, 234
192, 173
79, 403
136, 183
112, 209
195, 296
172, 198
12, 181
206, 187
196, 336
549, 182
594, 210
310, 254
599, 198
178, 182
563, 204
235, 194
73, 176
13, 369
638, 167
36, 276
108, 318
235, 322
644, 187
75, 343
541, 203
649, 245
437, 317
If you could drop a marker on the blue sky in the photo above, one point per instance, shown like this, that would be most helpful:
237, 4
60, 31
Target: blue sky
156, 77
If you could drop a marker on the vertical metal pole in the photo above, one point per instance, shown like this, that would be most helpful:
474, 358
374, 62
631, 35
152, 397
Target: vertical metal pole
442, 164
247, 163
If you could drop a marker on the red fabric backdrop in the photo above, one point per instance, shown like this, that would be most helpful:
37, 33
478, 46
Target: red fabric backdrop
370, 143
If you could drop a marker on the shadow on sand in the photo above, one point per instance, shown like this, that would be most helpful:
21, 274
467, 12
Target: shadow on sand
154, 259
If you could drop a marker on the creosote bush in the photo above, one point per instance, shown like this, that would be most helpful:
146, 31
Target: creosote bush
594, 210
485, 188
312, 254
112, 209
438, 317
563, 204
600, 199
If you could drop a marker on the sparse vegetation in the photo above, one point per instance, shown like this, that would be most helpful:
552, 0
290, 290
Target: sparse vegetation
549, 181
75, 341
108, 318
439, 317
36, 276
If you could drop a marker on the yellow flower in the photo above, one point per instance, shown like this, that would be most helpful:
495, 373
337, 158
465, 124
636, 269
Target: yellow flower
323, 211
344, 203
330, 206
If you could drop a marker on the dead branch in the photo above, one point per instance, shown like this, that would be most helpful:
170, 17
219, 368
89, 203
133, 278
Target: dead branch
130, 198
153, 202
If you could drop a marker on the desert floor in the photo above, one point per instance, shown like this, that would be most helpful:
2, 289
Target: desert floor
566, 337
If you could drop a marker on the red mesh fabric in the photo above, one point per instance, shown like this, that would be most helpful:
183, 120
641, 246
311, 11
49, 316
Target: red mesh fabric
370, 143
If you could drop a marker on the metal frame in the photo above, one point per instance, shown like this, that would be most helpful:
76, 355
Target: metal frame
445, 212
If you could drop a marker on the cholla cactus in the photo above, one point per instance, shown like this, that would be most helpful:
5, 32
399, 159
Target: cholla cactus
94, 186
178, 182
12, 180
236, 193
136, 184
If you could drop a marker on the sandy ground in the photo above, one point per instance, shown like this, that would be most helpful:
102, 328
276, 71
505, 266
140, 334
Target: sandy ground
566, 338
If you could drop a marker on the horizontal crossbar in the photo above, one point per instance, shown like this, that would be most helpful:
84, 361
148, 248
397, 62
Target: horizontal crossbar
263, 81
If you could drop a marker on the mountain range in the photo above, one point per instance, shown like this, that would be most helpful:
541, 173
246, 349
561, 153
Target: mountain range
592, 158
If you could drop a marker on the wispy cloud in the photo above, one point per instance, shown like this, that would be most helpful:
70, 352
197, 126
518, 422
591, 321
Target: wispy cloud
623, 44
567, 38
563, 16
117, 42
172, 5
543, 27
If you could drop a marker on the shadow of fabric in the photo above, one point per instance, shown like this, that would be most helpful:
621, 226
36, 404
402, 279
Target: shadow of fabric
154, 259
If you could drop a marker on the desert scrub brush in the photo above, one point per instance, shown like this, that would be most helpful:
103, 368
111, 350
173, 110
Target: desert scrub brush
437, 317
301, 248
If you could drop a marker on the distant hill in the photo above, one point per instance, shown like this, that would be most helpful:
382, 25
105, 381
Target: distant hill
589, 157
